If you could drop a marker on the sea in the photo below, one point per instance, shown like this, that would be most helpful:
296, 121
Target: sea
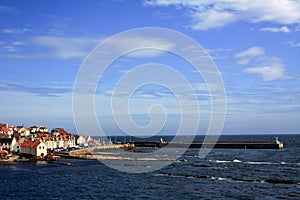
222, 174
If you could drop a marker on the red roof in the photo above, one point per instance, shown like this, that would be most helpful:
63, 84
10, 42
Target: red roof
32, 144
3, 152
41, 134
23, 128
6, 130
35, 144
62, 131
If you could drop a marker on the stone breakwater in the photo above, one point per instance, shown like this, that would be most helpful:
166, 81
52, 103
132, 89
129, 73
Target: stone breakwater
220, 145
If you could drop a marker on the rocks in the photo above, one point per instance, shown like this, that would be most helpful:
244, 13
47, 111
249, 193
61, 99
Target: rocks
131, 149
36, 158
277, 180
50, 157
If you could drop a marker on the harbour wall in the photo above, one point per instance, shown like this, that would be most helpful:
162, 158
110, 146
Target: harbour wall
219, 145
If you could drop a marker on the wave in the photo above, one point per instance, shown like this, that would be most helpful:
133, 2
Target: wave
270, 180
260, 163
253, 162
237, 160
219, 178
226, 161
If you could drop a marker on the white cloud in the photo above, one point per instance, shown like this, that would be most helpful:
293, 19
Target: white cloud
251, 52
257, 62
9, 10
218, 13
50, 46
10, 47
244, 57
141, 41
283, 29
79, 47
294, 44
218, 50
219, 53
68, 48
17, 43
211, 19
15, 30
274, 71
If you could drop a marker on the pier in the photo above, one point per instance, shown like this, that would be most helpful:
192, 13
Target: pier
89, 153
90, 150
219, 145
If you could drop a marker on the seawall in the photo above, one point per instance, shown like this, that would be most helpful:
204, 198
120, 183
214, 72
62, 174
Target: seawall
220, 145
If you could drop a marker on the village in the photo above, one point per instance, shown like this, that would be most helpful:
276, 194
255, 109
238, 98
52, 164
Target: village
38, 143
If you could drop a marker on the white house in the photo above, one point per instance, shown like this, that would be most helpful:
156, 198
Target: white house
43, 129
7, 130
83, 140
50, 143
34, 148
9, 144
71, 140
60, 143
23, 131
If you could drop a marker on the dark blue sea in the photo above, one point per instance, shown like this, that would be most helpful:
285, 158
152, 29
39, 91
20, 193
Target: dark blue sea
222, 174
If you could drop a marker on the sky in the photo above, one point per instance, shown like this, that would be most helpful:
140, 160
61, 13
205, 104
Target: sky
254, 44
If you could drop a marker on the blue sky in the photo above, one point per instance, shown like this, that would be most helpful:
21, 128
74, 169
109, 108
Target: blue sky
255, 45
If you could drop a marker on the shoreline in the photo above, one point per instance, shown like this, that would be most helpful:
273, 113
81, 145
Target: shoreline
16, 158
87, 157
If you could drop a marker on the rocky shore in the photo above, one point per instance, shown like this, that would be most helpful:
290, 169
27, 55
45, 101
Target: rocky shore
17, 158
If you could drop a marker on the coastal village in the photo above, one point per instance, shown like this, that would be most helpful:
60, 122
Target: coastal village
20, 143
37, 142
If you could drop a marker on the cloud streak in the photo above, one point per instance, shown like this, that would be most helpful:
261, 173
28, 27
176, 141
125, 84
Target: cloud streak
216, 13
246, 56
78, 47
293, 44
9, 10
283, 29
251, 52
66, 47
15, 30
39, 90
139, 41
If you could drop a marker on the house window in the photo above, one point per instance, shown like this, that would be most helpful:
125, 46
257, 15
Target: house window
40, 147
43, 147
